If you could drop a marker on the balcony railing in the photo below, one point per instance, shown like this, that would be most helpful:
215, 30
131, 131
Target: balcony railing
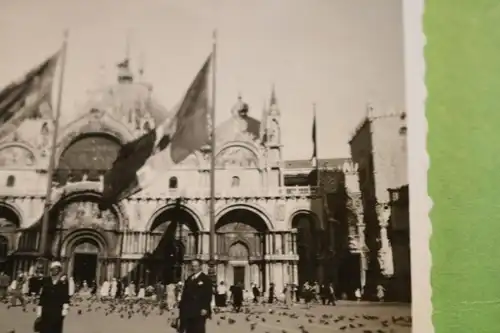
192, 192
237, 192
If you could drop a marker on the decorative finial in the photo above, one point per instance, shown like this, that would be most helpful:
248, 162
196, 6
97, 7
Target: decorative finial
127, 45
369, 110
141, 65
273, 101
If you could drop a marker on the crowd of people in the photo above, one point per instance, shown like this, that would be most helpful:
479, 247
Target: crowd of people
54, 293
24, 286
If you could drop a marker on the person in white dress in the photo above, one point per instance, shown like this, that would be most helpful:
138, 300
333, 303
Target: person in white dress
71, 286
114, 287
26, 286
170, 296
131, 289
380, 293
142, 291
105, 289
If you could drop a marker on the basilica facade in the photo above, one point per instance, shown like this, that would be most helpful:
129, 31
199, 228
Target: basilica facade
273, 224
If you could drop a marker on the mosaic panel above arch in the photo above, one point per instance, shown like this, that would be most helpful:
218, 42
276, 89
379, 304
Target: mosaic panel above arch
9, 217
90, 152
16, 156
86, 213
236, 156
238, 250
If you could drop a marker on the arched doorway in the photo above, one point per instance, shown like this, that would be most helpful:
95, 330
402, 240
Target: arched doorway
84, 260
307, 247
9, 222
241, 248
4, 248
175, 230
239, 254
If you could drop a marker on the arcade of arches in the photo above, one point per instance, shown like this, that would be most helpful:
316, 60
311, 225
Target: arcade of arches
9, 222
92, 246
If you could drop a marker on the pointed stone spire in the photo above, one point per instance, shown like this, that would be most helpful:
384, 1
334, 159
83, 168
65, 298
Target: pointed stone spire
124, 73
238, 106
273, 100
141, 66
263, 124
273, 103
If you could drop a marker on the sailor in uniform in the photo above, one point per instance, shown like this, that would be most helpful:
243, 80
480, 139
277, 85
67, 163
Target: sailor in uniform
54, 300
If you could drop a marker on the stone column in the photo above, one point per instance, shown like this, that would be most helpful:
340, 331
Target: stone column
200, 243
385, 252
278, 277
362, 254
294, 242
277, 242
272, 245
267, 244
206, 244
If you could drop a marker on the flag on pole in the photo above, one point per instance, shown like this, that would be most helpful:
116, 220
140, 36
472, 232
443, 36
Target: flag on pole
21, 100
141, 161
314, 158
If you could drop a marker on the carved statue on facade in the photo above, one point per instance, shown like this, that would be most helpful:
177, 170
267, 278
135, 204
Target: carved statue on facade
273, 132
87, 213
4, 223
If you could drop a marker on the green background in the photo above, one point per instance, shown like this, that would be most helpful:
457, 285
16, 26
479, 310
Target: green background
463, 111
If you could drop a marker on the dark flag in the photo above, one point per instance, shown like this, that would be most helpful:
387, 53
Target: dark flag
314, 158
123, 64
141, 161
21, 100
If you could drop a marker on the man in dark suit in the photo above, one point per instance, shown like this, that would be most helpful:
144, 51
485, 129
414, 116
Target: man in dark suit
53, 305
194, 307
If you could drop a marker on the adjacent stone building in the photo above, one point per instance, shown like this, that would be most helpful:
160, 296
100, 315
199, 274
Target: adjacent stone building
379, 148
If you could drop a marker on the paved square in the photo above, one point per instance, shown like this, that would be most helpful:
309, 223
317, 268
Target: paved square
95, 317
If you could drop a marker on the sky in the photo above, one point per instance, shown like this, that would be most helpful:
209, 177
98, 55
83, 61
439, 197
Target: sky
339, 54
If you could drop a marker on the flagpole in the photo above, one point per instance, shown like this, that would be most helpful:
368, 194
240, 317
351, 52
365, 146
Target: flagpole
318, 179
45, 221
318, 182
211, 265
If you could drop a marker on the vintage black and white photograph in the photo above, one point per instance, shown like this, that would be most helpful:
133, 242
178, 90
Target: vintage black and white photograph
204, 166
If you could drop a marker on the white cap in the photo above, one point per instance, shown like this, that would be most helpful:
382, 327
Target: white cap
55, 264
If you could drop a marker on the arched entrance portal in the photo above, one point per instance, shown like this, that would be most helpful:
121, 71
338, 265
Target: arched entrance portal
9, 222
175, 230
307, 247
241, 248
84, 261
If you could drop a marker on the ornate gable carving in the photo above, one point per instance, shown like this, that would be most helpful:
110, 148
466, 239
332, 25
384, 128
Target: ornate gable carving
14, 155
237, 156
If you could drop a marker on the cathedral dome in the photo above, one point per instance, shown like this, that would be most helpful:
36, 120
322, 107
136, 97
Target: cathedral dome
240, 127
129, 101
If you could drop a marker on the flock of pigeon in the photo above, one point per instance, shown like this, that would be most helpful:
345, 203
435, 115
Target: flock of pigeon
132, 315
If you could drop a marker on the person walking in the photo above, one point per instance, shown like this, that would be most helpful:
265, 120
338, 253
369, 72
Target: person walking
288, 296
4, 285
53, 305
17, 290
221, 298
271, 294
194, 306
237, 296
256, 293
